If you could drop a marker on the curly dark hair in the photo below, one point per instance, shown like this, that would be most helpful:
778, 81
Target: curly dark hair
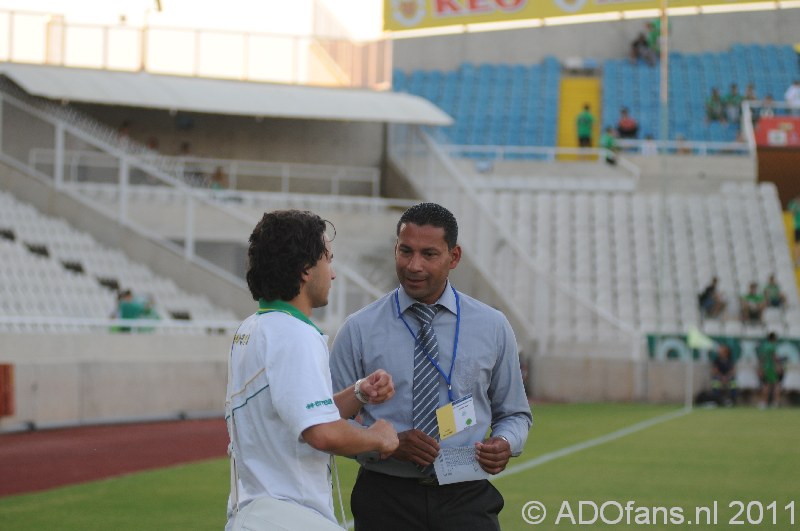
434, 215
283, 245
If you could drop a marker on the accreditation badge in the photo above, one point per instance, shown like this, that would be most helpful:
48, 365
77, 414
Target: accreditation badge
456, 416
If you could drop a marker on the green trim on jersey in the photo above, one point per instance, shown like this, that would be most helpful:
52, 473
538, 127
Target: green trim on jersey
265, 306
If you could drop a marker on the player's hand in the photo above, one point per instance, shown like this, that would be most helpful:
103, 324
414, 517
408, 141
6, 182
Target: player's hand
493, 454
416, 446
387, 437
378, 387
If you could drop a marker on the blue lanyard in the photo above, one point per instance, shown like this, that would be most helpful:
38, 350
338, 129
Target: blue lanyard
448, 378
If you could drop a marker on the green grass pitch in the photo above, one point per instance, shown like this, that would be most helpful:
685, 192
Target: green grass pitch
728, 456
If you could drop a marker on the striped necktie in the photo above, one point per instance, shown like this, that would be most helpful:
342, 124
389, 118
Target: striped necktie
426, 377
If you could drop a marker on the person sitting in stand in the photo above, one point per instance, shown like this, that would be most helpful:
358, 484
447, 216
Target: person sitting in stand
753, 305
711, 302
715, 107
627, 127
733, 104
773, 295
641, 50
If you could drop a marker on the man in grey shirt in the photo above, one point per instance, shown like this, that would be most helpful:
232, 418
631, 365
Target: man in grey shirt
474, 353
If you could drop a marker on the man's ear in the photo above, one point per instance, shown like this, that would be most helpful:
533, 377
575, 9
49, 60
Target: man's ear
455, 256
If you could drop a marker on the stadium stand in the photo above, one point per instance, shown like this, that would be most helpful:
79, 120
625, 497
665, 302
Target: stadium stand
492, 104
770, 68
604, 247
517, 105
51, 269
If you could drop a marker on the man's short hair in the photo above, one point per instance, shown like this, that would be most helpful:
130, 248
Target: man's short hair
282, 246
434, 215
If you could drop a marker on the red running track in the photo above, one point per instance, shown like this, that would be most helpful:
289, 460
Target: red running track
41, 460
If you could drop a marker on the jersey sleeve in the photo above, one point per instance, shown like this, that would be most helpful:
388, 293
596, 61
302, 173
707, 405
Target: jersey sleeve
300, 380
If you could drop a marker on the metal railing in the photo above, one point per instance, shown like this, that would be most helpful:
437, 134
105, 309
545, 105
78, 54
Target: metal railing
285, 177
491, 154
683, 147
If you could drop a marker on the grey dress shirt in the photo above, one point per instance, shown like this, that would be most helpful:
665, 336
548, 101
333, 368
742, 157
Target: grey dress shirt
486, 366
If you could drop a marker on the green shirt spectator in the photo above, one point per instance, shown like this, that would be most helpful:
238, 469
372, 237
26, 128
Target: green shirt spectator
768, 360
584, 124
654, 35
715, 107
752, 304
609, 142
733, 104
769, 371
773, 295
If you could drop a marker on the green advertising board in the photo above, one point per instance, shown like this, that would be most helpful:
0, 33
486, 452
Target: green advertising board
675, 347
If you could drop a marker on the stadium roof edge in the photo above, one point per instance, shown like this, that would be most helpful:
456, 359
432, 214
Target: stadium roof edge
222, 96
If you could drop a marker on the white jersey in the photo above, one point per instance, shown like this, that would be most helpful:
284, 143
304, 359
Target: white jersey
280, 385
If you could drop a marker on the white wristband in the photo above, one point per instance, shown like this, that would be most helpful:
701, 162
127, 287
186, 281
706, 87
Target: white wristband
361, 397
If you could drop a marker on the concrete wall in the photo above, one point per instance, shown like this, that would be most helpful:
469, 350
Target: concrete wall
599, 40
250, 137
84, 378
597, 379
691, 174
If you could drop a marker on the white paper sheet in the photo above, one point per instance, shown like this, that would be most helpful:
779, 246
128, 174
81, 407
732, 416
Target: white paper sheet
454, 465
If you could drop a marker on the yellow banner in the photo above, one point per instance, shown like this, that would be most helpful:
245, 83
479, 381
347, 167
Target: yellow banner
402, 15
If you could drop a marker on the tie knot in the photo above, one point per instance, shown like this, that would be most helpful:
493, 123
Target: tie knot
424, 312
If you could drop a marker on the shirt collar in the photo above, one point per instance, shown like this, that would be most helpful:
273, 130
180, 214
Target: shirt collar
447, 299
265, 306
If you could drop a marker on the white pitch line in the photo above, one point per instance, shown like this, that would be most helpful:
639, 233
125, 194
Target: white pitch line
569, 450
575, 448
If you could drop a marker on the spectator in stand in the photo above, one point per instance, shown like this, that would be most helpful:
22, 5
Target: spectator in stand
654, 40
219, 181
627, 127
770, 371
584, 124
609, 142
711, 302
723, 377
641, 50
773, 295
792, 96
752, 305
715, 107
750, 93
762, 109
130, 307
767, 109
733, 104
